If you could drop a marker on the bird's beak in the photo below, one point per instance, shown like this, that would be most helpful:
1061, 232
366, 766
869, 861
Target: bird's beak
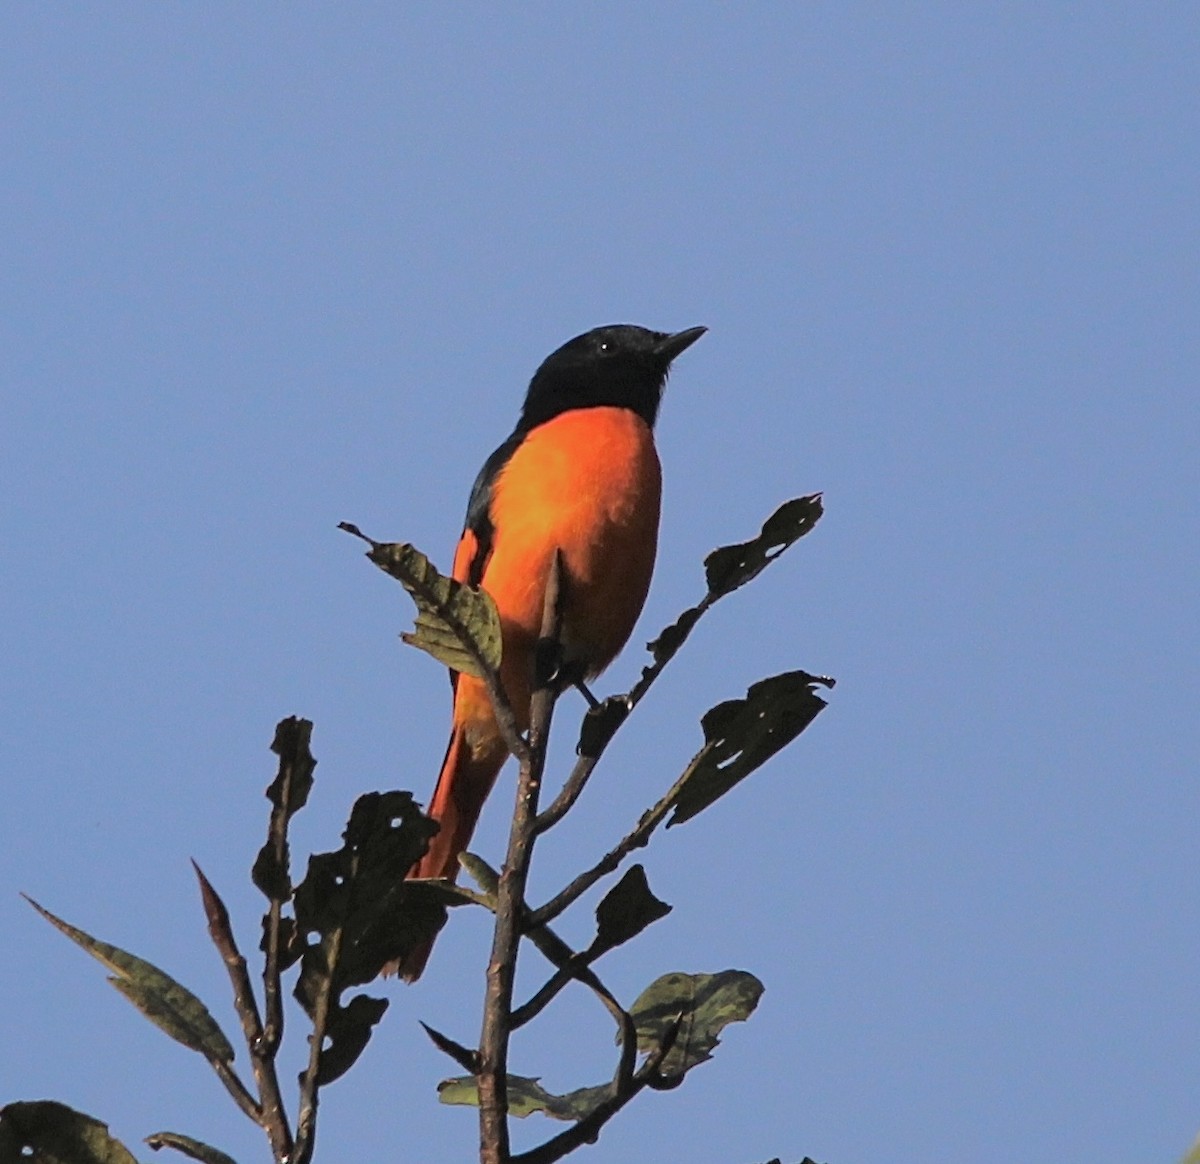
672, 345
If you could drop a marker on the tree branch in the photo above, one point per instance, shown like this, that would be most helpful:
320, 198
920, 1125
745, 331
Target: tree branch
567, 795
638, 837
569, 965
510, 900
269, 1112
587, 1130
584, 766
306, 1119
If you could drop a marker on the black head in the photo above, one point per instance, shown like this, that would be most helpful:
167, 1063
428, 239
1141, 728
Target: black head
620, 365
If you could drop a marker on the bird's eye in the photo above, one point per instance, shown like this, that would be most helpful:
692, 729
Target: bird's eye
604, 346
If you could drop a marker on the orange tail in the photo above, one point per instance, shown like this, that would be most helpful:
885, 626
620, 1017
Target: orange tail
462, 787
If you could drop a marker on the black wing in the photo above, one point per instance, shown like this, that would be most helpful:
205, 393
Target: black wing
479, 515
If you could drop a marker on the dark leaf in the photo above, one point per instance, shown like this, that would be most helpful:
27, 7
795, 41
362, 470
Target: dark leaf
361, 892
288, 793
189, 1147
291, 947
347, 1032
466, 1058
527, 1096
742, 734
729, 567
707, 1002
452, 618
45, 1132
600, 725
171, 1007
627, 909
270, 872
672, 638
356, 913
292, 784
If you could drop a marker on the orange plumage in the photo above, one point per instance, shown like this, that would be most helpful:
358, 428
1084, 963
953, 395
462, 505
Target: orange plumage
580, 476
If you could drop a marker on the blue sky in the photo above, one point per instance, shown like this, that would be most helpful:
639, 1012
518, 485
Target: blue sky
270, 267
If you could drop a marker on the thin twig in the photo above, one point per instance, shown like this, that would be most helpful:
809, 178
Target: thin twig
552, 948
649, 674
640, 834
238, 1091
306, 1119
584, 690
567, 795
629, 1049
584, 766
537, 1002
281, 813
569, 966
510, 903
587, 1130
268, 1112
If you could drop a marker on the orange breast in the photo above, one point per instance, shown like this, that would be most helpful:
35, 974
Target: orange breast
587, 482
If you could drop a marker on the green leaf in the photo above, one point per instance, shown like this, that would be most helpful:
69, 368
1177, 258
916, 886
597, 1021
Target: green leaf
627, 909
742, 734
707, 1002
45, 1132
729, 567
457, 624
189, 1147
482, 874
170, 1006
527, 1096
356, 913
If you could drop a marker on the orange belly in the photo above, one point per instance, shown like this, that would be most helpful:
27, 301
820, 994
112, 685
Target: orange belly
587, 483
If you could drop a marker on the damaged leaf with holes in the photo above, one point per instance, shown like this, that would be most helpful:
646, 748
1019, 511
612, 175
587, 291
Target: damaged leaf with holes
356, 913
730, 567
46, 1132
742, 734
708, 1004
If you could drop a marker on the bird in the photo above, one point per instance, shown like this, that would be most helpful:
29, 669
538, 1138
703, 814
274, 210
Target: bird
578, 478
